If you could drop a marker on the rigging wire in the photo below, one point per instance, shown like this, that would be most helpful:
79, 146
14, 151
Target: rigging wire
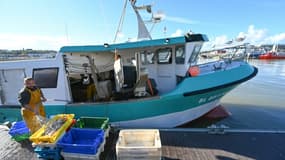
119, 29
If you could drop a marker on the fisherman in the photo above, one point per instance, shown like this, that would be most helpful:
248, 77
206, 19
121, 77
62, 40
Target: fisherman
119, 75
31, 98
88, 81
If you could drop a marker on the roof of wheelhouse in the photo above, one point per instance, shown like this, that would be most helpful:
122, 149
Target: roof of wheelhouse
138, 44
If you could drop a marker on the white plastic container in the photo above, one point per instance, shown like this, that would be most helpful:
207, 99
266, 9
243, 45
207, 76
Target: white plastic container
138, 144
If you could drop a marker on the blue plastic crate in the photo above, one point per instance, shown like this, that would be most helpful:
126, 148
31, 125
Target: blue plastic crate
18, 129
48, 153
79, 140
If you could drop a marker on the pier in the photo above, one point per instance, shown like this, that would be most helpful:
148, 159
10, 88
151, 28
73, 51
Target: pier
183, 144
207, 144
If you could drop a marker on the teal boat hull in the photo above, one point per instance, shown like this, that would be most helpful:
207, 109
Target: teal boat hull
192, 98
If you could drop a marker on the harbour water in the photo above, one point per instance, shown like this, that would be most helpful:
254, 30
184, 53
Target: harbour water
256, 104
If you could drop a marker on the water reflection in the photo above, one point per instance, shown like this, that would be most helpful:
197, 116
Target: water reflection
266, 89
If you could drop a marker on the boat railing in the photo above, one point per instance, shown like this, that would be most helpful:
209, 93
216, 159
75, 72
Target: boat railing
223, 63
234, 56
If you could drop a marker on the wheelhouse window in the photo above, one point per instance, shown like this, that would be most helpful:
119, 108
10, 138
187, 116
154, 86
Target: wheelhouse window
150, 57
180, 55
164, 56
194, 55
147, 57
46, 77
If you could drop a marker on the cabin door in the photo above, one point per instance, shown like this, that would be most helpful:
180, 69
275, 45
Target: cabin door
165, 70
11, 81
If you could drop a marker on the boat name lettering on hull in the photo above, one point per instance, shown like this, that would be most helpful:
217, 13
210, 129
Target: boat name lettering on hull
211, 98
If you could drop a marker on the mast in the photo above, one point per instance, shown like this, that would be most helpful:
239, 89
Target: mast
143, 32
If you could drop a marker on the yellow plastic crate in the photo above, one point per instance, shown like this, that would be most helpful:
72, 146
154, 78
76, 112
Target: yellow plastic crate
39, 137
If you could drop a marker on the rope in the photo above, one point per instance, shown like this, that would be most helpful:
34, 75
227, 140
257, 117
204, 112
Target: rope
150, 87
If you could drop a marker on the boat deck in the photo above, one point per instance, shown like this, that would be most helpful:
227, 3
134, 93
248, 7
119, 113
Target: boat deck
200, 144
184, 144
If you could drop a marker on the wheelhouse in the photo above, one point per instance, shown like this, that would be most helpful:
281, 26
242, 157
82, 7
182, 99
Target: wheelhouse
148, 68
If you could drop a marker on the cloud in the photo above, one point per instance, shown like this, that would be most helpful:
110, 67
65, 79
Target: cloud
18, 41
120, 36
278, 38
221, 39
180, 20
177, 33
260, 36
254, 36
218, 41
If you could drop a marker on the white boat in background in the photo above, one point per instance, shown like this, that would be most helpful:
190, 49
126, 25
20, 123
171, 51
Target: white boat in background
159, 81
227, 52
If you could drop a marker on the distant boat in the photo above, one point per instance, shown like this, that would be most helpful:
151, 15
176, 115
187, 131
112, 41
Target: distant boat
156, 83
275, 53
272, 55
256, 53
232, 51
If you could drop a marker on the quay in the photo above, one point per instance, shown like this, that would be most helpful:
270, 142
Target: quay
182, 144
206, 144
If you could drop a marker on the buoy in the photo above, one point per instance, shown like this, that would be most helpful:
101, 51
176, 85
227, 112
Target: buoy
194, 71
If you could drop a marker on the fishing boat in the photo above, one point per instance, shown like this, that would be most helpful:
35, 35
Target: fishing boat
156, 83
272, 55
275, 53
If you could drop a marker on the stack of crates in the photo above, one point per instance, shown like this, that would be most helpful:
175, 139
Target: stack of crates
48, 153
39, 136
19, 131
142, 144
94, 122
82, 143
45, 144
47, 150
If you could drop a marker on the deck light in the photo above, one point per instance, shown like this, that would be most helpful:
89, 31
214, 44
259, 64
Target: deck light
106, 45
167, 40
